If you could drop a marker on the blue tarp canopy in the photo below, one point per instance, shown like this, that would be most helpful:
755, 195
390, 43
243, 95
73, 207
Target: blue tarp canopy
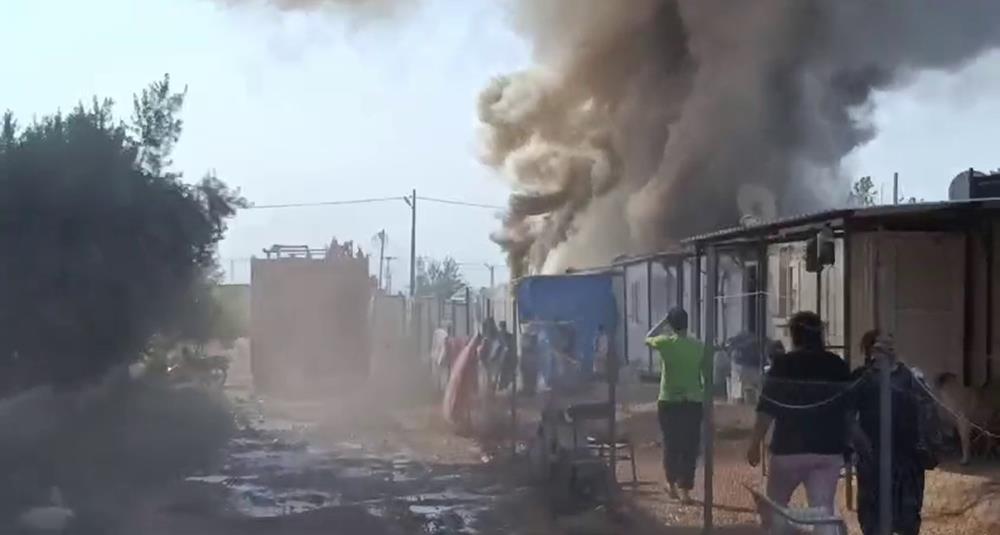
583, 302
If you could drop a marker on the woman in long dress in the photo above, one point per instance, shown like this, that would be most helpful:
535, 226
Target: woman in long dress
463, 383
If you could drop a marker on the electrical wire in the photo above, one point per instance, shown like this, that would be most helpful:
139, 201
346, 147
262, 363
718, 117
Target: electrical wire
373, 200
459, 203
322, 203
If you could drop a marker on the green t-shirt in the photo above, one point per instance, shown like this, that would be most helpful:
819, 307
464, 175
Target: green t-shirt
681, 370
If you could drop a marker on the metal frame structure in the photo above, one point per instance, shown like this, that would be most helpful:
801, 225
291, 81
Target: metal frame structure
698, 257
951, 216
670, 259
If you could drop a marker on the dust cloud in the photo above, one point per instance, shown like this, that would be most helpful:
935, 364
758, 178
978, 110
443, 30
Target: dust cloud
675, 105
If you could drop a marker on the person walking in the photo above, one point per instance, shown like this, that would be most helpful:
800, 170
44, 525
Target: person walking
529, 361
508, 357
914, 438
805, 396
602, 348
682, 389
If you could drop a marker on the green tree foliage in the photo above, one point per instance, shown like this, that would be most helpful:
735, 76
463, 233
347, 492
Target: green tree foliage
440, 279
156, 124
103, 248
863, 192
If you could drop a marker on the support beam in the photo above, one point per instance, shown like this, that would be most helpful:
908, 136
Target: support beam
761, 328
649, 310
711, 300
695, 311
848, 346
885, 314
513, 388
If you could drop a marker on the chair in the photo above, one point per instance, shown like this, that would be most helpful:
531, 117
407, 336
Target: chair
784, 520
600, 442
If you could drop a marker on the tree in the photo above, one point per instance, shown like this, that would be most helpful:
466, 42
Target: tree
440, 279
103, 248
156, 124
862, 192
8, 131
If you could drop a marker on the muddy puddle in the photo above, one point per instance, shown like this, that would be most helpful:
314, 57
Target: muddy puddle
273, 473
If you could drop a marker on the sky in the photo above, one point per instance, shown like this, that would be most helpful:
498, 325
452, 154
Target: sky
305, 107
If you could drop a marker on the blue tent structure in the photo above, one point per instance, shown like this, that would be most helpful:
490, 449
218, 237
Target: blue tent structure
568, 309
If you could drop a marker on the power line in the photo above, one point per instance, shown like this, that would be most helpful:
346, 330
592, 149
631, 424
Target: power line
461, 203
371, 200
323, 203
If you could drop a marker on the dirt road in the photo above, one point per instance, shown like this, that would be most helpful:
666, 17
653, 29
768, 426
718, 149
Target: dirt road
349, 464
344, 465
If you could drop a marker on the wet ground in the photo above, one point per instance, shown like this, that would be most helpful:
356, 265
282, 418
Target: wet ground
346, 466
272, 473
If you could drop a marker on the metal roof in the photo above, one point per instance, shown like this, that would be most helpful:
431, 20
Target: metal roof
622, 261
839, 216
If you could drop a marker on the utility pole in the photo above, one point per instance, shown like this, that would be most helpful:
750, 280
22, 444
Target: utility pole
412, 202
492, 268
895, 188
388, 274
381, 255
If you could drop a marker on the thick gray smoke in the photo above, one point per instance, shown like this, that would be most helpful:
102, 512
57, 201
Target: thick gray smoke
642, 119
693, 99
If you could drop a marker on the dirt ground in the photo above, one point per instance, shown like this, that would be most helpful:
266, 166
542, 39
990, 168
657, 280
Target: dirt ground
957, 499
377, 459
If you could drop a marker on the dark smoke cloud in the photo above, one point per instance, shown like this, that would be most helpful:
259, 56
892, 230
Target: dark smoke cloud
702, 97
642, 119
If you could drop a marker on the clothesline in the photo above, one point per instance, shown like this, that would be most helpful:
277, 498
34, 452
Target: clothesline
958, 415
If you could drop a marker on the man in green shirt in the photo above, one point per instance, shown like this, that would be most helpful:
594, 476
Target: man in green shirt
679, 404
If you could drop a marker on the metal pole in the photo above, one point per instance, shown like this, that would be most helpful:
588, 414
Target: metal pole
611, 371
696, 294
884, 304
381, 256
492, 268
468, 311
413, 244
885, 449
762, 310
819, 292
649, 309
625, 309
711, 297
848, 343
513, 388
388, 274
895, 188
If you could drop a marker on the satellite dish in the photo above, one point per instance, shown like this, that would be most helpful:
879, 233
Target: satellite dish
756, 204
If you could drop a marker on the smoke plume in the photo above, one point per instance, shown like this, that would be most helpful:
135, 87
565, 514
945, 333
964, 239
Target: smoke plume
674, 105
641, 120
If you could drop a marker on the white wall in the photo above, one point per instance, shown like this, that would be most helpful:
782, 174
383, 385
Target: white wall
922, 290
637, 313
792, 289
